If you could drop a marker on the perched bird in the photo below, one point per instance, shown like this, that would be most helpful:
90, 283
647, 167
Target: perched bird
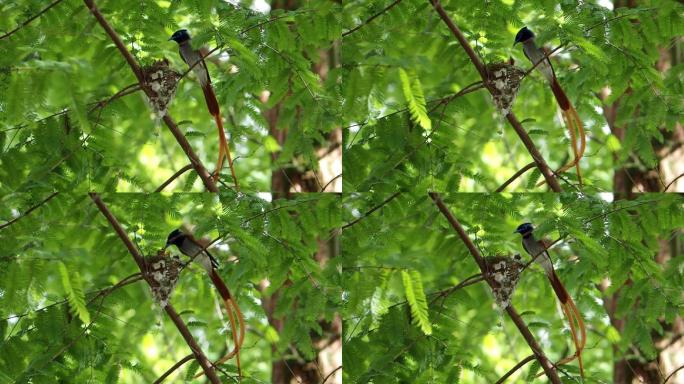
193, 248
195, 60
572, 120
537, 249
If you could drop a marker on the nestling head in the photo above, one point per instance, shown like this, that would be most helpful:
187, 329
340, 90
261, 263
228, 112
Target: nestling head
175, 238
524, 228
523, 35
180, 36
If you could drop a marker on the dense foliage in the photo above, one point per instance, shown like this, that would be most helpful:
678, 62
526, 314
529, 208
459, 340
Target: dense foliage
399, 66
55, 69
403, 324
53, 263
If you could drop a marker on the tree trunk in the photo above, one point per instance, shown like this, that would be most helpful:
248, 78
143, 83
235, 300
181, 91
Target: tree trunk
290, 180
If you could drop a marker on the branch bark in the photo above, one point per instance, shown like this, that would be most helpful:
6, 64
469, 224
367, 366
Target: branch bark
182, 328
512, 313
137, 71
529, 144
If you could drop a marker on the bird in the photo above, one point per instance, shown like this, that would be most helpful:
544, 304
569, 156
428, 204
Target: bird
195, 60
190, 246
570, 116
538, 250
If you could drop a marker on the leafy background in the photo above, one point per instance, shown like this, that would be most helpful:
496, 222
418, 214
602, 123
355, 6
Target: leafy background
53, 261
53, 69
620, 66
398, 328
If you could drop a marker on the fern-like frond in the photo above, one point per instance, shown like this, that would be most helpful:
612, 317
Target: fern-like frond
413, 92
71, 281
413, 289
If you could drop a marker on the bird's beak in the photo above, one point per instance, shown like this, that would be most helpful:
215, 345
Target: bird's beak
170, 38
167, 245
516, 42
516, 231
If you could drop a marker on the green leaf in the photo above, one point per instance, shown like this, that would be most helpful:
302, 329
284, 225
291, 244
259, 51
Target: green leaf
413, 289
71, 282
413, 93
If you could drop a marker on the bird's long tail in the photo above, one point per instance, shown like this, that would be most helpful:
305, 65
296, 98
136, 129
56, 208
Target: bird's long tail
224, 149
575, 128
237, 328
574, 319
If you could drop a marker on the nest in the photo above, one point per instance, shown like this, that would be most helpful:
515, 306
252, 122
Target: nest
504, 80
162, 274
161, 81
504, 273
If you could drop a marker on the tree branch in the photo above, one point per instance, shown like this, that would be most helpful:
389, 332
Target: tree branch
387, 200
515, 368
182, 141
529, 144
387, 8
173, 177
182, 328
512, 313
30, 19
7, 224
174, 367
515, 176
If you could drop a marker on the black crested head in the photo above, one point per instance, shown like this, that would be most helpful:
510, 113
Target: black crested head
176, 238
524, 228
180, 36
523, 35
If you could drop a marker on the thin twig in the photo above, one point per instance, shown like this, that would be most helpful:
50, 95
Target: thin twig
28, 211
515, 368
330, 182
135, 67
104, 291
182, 328
512, 119
515, 176
387, 200
387, 8
174, 367
330, 374
672, 374
30, 19
173, 177
512, 313
672, 182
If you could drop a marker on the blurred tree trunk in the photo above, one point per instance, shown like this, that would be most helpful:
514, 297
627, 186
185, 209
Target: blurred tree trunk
670, 153
626, 182
300, 177
284, 182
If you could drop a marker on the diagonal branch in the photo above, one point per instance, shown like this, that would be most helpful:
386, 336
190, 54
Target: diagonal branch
512, 313
30, 19
137, 71
387, 8
515, 368
173, 177
387, 200
529, 144
182, 328
174, 367
520, 172
7, 224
